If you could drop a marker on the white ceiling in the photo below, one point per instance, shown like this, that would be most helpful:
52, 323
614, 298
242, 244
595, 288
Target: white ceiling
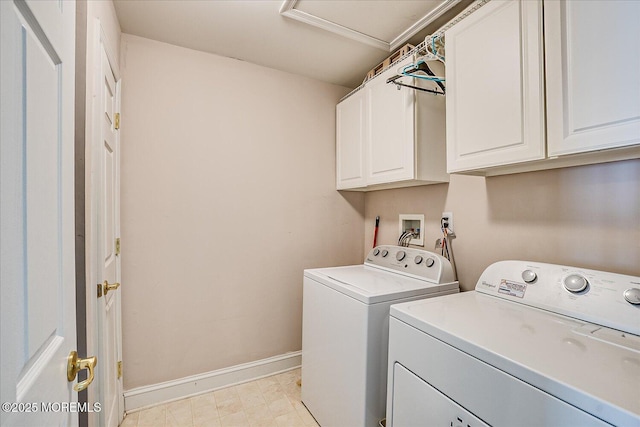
329, 40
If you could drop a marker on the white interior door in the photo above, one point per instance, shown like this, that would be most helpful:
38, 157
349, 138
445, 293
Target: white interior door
108, 221
37, 211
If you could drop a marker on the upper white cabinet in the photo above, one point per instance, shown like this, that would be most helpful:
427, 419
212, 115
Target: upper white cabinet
350, 141
593, 75
495, 86
498, 61
391, 130
389, 137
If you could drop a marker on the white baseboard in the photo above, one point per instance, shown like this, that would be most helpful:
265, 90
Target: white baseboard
142, 397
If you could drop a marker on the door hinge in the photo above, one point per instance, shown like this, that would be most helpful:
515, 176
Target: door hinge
99, 290
117, 121
120, 369
117, 246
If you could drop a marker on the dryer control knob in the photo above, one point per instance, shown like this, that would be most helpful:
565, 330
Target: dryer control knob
529, 276
400, 255
632, 295
385, 253
376, 251
418, 259
575, 283
429, 262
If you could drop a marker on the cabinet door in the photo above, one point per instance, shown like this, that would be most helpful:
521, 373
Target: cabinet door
495, 90
350, 142
390, 129
593, 75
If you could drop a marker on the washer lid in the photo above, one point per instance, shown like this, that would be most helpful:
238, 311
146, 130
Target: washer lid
372, 285
589, 366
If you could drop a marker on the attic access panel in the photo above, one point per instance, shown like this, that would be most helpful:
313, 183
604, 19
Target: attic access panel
386, 25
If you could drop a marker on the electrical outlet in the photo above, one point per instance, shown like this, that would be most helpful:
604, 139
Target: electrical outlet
447, 221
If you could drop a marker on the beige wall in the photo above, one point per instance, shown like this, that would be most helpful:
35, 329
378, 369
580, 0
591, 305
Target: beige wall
228, 193
586, 216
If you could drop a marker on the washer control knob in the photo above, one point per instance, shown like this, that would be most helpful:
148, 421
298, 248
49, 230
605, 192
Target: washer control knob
385, 253
376, 251
529, 276
575, 283
429, 262
418, 259
632, 295
400, 255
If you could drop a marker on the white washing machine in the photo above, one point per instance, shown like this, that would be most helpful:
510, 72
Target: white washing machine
345, 329
534, 345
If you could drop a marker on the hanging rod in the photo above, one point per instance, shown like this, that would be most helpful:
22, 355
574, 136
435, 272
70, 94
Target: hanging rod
395, 81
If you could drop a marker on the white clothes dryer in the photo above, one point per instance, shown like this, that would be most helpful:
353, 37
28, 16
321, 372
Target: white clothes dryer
345, 329
534, 345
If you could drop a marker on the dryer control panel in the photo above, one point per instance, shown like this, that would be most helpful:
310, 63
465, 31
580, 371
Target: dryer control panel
417, 263
599, 297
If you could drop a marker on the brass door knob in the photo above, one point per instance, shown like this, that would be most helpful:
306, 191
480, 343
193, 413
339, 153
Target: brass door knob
75, 364
110, 287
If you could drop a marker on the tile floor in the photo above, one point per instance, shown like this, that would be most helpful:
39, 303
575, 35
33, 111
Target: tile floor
268, 402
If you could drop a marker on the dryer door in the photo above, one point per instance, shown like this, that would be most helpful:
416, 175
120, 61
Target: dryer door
416, 403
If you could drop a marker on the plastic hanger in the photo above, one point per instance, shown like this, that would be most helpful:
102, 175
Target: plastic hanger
420, 65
